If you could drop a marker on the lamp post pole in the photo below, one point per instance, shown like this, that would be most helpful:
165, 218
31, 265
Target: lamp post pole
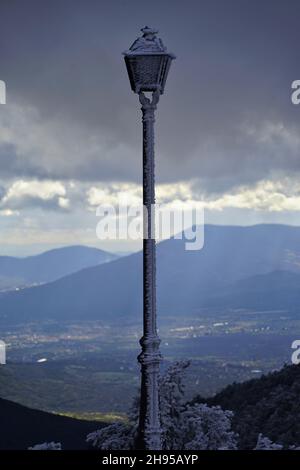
148, 63
149, 431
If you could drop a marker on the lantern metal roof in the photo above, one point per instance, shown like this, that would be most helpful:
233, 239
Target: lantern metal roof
148, 62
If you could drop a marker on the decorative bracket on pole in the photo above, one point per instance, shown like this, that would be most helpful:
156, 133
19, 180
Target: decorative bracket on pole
146, 102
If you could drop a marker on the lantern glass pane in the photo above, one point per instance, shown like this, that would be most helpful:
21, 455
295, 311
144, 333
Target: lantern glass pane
146, 71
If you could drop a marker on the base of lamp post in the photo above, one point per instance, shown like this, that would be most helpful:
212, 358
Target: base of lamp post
149, 431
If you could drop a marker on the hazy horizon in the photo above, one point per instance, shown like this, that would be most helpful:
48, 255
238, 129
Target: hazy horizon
126, 247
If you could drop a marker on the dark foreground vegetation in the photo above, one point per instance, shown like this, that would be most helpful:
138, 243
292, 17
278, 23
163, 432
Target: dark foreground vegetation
22, 427
269, 405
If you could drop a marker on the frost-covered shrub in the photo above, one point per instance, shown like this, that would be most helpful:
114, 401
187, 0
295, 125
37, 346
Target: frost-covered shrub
172, 403
196, 427
117, 436
264, 443
46, 446
206, 428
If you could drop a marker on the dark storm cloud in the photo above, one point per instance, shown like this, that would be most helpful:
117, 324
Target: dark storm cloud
226, 116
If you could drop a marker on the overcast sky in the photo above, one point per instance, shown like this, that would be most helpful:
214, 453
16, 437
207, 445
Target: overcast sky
227, 133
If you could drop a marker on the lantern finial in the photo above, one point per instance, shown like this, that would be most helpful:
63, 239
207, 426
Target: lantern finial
149, 43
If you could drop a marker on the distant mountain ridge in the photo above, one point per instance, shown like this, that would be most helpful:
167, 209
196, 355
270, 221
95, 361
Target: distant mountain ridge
222, 274
50, 265
272, 291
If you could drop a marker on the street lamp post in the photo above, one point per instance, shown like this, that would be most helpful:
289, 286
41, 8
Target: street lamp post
148, 63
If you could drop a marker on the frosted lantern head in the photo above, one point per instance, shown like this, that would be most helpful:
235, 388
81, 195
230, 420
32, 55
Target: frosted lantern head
148, 62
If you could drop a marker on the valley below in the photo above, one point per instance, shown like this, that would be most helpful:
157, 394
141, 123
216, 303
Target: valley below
89, 369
